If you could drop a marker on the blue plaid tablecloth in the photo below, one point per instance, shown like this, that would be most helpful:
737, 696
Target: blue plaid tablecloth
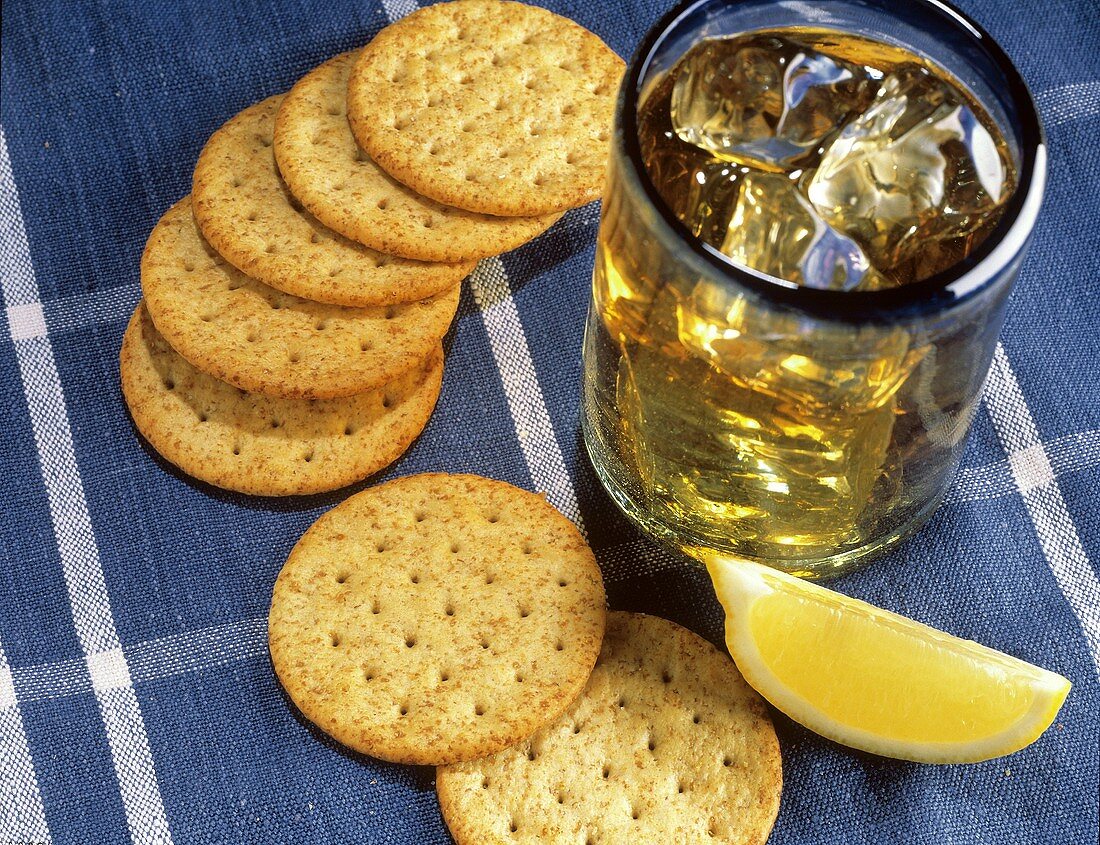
137, 701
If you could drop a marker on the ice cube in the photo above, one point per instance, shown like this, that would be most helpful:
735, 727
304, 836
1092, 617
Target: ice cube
774, 229
713, 187
917, 167
763, 100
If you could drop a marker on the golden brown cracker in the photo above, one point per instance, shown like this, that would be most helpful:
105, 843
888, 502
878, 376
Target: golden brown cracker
266, 341
247, 214
262, 445
492, 106
332, 177
667, 743
437, 618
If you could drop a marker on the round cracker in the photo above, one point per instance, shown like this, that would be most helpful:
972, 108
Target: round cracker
266, 341
247, 214
667, 743
493, 106
262, 445
437, 618
325, 169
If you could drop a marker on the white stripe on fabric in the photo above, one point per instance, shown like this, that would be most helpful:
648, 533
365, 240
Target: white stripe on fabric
22, 815
26, 321
1065, 455
221, 645
1031, 468
178, 654
1043, 498
133, 762
1069, 102
108, 670
51, 680
196, 651
7, 685
114, 305
76, 545
1074, 452
396, 9
530, 416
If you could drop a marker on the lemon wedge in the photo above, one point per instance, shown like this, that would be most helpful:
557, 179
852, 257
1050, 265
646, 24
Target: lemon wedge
873, 680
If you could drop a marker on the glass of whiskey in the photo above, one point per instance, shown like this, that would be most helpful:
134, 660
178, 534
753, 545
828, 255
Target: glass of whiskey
814, 215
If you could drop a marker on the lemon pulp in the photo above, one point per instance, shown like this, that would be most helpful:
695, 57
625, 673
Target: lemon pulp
877, 681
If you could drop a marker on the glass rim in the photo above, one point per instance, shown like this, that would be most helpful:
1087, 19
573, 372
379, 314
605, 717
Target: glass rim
938, 292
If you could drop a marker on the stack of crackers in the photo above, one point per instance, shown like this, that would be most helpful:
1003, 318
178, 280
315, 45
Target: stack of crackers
289, 340
456, 621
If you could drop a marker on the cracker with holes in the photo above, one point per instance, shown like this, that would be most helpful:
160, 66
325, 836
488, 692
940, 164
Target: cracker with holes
487, 105
667, 743
349, 193
262, 445
265, 341
247, 214
437, 618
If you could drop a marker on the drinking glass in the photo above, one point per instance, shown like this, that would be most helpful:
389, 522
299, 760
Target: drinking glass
732, 413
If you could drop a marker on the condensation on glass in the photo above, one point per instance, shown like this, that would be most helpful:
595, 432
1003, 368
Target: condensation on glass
809, 233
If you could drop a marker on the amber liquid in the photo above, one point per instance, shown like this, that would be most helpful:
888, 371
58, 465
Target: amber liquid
703, 189
725, 424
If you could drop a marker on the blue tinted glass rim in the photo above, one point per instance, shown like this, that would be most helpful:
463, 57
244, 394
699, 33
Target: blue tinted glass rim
936, 293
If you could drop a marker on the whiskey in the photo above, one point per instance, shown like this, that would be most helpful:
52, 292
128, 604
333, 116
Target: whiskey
826, 160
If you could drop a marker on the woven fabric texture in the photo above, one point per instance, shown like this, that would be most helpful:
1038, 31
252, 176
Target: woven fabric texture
137, 700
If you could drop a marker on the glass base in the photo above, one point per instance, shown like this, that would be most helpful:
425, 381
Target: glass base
677, 540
